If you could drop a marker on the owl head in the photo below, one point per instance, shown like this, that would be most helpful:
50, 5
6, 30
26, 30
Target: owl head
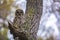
19, 12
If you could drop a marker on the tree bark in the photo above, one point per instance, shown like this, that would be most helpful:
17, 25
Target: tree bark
27, 30
34, 7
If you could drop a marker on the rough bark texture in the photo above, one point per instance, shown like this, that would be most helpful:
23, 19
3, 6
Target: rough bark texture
34, 7
25, 26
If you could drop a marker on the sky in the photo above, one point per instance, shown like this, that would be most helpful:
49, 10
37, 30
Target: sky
48, 21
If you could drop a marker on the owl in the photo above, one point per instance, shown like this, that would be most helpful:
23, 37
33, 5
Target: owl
18, 17
15, 27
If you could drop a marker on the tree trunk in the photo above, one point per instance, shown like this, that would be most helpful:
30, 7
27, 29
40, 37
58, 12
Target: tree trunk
27, 28
34, 10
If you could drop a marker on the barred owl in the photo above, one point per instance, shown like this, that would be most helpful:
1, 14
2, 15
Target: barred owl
18, 17
15, 27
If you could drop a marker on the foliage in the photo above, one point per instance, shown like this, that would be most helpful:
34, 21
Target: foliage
6, 4
5, 8
3, 34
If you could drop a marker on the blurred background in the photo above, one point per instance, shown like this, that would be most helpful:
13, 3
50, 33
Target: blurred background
49, 24
50, 20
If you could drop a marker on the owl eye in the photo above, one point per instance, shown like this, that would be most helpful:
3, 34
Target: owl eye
17, 11
21, 12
